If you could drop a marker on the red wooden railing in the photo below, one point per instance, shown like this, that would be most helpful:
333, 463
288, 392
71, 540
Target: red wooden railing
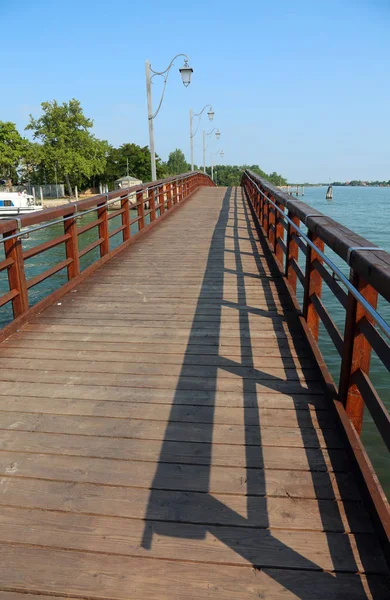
280, 216
152, 201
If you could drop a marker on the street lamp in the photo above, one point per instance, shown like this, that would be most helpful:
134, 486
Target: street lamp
210, 114
185, 72
217, 135
212, 154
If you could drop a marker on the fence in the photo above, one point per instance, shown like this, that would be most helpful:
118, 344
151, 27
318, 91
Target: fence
280, 217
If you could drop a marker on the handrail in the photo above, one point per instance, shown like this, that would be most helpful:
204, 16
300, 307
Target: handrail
117, 194
158, 197
359, 297
364, 328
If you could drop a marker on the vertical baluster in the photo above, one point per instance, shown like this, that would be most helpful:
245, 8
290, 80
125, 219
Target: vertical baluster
163, 198
292, 252
169, 195
152, 203
279, 234
313, 285
72, 245
103, 228
356, 350
125, 206
141, 209
16, 275
266, 214
271, 223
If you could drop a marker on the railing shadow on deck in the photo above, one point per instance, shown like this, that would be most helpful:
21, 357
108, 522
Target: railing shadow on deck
207, 513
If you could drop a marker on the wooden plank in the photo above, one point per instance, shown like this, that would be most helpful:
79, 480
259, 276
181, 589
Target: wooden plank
158, 430
260, 548
89, 352
268, 384
226, 369
162, 412
186, 507
270, 457
283, 348
91, 576
178, 476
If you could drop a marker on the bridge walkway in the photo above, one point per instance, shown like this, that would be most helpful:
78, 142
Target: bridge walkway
165, 433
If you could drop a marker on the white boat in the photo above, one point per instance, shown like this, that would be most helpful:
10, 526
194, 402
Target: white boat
17, 203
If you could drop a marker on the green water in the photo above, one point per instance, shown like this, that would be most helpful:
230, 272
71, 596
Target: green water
364, 210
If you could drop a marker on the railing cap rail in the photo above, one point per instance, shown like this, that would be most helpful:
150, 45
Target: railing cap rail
373, 266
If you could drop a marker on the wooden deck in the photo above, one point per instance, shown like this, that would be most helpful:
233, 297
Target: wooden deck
165, 434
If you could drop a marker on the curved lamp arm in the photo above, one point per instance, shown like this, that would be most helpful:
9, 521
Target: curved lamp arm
199, 114
209, 133
165, 74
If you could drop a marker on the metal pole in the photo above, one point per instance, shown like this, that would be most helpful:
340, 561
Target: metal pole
204, 151
191, 141
212, 167
150, 121
55, 171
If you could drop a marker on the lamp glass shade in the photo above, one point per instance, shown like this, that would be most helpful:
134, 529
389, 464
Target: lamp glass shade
211, 114
186, 72
217, 135
222, 154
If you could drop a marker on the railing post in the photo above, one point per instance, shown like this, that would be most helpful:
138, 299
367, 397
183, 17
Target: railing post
313, 285
271, 223
266, 214
125, 206
152, 203
16, 275
292, 252
163, 199
72, 246
356, 350
103, 228
169, 196
279, 233
174, 192
140, 209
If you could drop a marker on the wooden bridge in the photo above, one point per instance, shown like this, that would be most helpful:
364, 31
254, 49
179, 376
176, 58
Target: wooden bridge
168, 427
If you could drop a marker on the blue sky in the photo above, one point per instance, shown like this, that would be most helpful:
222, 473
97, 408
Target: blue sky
301, 87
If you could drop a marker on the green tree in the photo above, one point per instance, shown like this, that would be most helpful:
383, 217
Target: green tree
12, 149
177, 164
136, 159
67, 143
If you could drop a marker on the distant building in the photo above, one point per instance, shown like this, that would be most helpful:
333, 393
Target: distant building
127, 182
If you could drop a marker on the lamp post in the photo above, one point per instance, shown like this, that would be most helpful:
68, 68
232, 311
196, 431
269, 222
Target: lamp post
185, 72
210, 115
212, 154
217, 135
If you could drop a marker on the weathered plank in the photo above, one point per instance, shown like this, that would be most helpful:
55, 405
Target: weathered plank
271, 457
231, 545
249, 435
86, 575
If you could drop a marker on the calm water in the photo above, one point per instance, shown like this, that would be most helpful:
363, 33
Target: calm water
364, 210
367, 212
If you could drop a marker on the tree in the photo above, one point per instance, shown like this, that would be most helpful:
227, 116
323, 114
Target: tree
12, 148
177, 163
134, 158
67, 143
